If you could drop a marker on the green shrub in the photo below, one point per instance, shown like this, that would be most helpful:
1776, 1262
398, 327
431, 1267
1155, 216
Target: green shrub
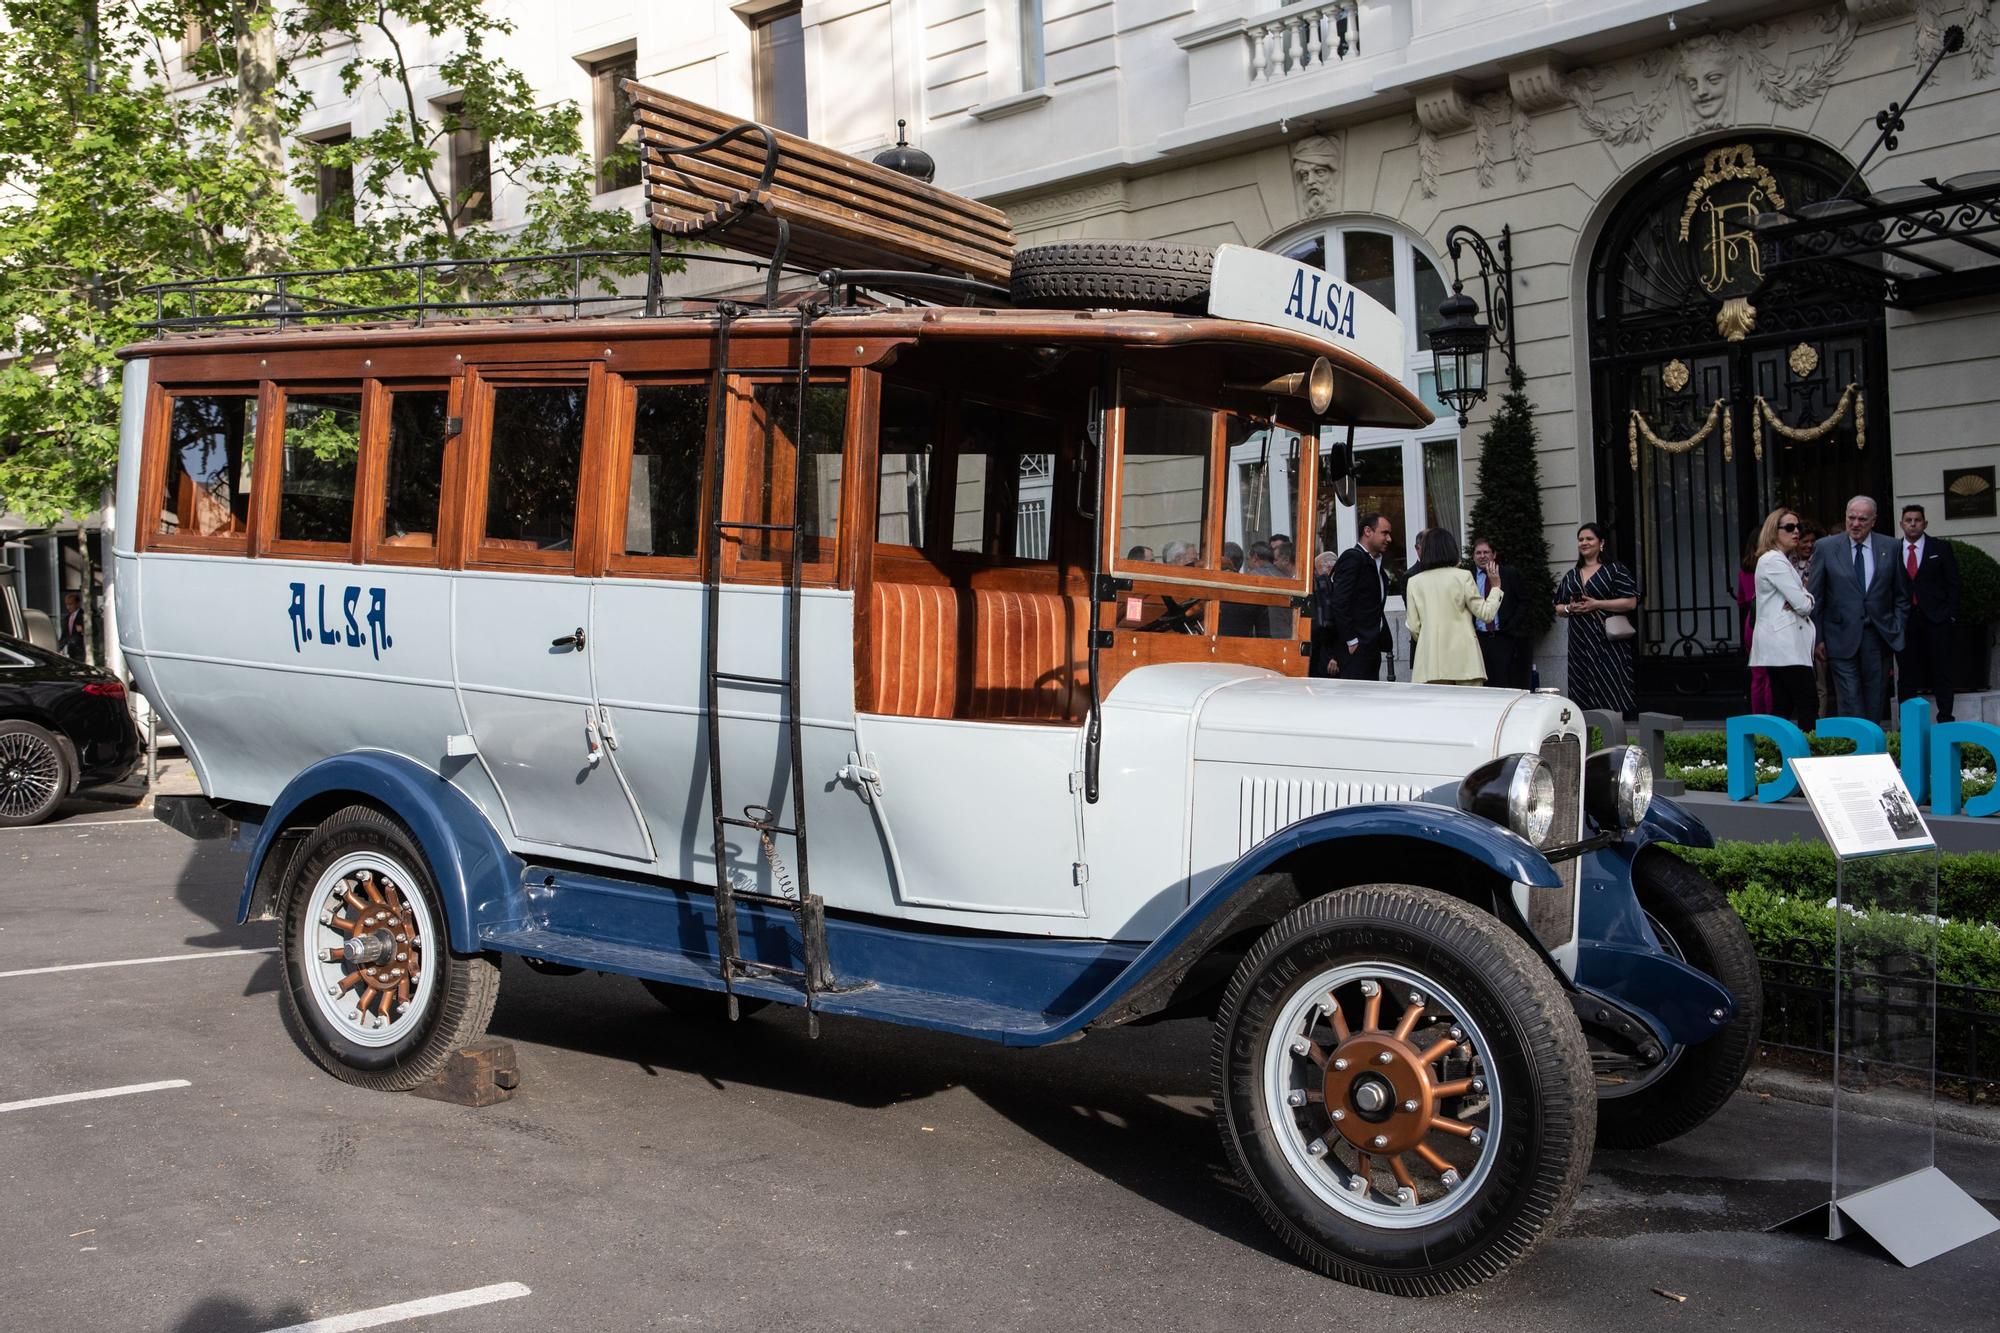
1980, 575
1968, 882
1694, 747
1802, 931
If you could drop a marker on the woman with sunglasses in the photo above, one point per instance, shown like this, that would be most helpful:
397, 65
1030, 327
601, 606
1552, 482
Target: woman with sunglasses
1783, 642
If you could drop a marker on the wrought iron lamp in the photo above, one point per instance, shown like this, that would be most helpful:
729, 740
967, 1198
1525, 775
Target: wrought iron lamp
1460, 341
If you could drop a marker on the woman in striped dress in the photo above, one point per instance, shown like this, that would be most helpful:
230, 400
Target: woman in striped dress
1600, 670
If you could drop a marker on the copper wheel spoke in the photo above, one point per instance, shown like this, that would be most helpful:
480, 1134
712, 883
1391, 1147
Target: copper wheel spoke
403, 991
1403, 1176
1337, 1018
332, 956
350, 981
1365, 1169
1313, 1052
1432, 1159
1371, 1013
1437, 1049
344, 925
1410, 1017
1457, 1127
1458, 1087
374, 894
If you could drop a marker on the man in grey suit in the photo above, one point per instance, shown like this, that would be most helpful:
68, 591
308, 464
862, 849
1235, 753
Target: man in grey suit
1860, 600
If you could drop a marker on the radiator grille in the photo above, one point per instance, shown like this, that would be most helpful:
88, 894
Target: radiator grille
1552, 912
1269, 804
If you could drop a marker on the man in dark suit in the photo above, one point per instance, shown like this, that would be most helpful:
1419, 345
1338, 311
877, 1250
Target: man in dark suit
1360, 587
71, 638
1931, 569
1503, 644
1861, 597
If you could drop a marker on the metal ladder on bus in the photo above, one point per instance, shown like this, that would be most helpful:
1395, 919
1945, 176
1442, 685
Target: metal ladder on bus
814, 975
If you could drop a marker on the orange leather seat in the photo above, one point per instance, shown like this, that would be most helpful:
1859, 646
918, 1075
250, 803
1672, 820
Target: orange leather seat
1028, 656
914, 649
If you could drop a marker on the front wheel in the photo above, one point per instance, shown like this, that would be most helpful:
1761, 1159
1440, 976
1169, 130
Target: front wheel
1403, 1089
34, 774
1696, 924
372, 988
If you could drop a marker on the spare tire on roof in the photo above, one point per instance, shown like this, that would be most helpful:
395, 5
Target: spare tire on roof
1113, 275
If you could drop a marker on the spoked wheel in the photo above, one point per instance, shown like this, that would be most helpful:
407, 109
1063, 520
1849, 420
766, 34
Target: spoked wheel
1403, 1089
34, 774
373, 987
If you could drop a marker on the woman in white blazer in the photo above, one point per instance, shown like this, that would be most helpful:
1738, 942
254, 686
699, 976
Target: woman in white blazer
1783, 642
1439, 606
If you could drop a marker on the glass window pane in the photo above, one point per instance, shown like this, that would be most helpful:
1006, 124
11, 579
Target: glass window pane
1378, 489
416, 466
211, 440
663, 505
826, 435
1311, 252
1034, 508
906, 437
1264, 545
1441, 486
535, 452
781, 73
1371, 264
968, 504
1430, 290
1005, 482
1163, 492
316, 488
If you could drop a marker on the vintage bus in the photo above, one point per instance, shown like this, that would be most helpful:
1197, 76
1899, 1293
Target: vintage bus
889, 659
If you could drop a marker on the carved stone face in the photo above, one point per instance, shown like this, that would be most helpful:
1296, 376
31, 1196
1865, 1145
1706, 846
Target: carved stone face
1703, 66
1316, 170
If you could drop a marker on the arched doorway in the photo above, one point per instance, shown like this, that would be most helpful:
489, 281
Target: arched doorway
1679, 515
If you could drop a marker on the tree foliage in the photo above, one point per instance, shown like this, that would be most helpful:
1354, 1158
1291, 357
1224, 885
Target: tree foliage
1508, 512
127, 161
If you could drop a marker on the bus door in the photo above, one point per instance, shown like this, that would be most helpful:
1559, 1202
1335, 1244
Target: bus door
522, 633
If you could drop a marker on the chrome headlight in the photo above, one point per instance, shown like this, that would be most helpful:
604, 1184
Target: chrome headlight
1618, 787
1516, 790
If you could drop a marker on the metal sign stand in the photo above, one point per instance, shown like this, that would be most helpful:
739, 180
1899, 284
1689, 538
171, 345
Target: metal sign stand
1886, 1184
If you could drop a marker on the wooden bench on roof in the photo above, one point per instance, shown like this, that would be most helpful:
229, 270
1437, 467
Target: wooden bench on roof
841, 212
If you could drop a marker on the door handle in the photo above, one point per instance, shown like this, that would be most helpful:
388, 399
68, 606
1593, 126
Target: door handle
569, 640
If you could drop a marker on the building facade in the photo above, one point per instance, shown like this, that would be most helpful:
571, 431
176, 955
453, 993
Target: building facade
1679, 391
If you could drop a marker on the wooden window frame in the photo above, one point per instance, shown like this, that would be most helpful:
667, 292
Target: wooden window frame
267, 496
741, 491
154, 467
621, 421
1211, 575
585, 555
377, 417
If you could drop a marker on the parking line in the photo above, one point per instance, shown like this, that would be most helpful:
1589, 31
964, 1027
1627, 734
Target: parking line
396, 1314
79, 822
92, 1096
136, 962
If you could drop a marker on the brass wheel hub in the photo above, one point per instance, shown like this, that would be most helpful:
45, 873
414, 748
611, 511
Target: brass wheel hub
384, 947
1387, 1088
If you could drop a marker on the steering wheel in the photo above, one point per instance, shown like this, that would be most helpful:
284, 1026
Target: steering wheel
1177, 618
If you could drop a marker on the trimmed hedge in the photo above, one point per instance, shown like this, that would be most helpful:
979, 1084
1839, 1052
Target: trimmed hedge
1694, 747
1968, 882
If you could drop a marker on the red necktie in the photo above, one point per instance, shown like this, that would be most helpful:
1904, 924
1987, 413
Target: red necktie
1910, 565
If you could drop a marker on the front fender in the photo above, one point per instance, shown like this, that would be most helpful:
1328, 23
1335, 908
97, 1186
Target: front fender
1245, 889
476, 875
1670, 821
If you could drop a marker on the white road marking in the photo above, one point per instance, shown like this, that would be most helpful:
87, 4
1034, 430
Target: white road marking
396, 1314
146, 818
125, 1091
137, 962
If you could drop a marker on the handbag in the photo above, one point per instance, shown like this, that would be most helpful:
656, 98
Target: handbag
1618, 627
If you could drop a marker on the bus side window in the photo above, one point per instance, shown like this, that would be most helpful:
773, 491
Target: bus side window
317, 463
1004, 483
664, 496
770, 458
211, 444
908, 436
534, 454
414, 472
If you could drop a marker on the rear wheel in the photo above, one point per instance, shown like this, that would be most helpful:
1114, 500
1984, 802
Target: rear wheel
373, 989
1403, 1089
34, 774
1697, 925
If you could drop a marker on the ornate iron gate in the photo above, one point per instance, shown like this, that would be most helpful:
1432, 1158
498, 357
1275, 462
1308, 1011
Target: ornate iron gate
1682, 480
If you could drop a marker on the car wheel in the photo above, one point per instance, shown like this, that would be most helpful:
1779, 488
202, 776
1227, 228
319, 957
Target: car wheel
1696, 924
1403, 1089
697, 1005
373, 989
34, 774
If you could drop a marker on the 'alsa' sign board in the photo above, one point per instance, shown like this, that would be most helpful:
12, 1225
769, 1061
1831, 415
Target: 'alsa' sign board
1281, 293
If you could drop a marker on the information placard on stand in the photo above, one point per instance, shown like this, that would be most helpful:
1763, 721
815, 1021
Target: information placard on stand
1885, 1181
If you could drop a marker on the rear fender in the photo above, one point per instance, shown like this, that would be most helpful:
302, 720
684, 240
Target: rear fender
476, 876
1438, 846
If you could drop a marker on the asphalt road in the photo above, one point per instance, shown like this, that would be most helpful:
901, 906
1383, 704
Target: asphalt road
654, 1175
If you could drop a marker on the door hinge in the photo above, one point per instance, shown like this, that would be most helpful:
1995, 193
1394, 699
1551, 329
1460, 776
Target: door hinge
604, 727
1079, 873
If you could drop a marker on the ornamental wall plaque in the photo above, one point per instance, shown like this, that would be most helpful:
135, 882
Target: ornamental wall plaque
1968, 492
1804, 360
1675, 375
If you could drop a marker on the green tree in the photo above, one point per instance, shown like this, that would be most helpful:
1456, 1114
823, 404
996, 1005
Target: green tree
1508, 512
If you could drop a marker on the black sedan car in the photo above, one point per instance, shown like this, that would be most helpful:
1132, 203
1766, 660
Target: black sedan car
63, 725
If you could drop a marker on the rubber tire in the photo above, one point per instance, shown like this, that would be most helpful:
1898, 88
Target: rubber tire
65, 774
698, 1005
460, 1006
1713, 939
1113, 275
1520, 1006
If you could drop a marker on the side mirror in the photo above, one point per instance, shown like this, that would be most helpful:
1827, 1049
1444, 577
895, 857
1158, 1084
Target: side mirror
1336, 467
